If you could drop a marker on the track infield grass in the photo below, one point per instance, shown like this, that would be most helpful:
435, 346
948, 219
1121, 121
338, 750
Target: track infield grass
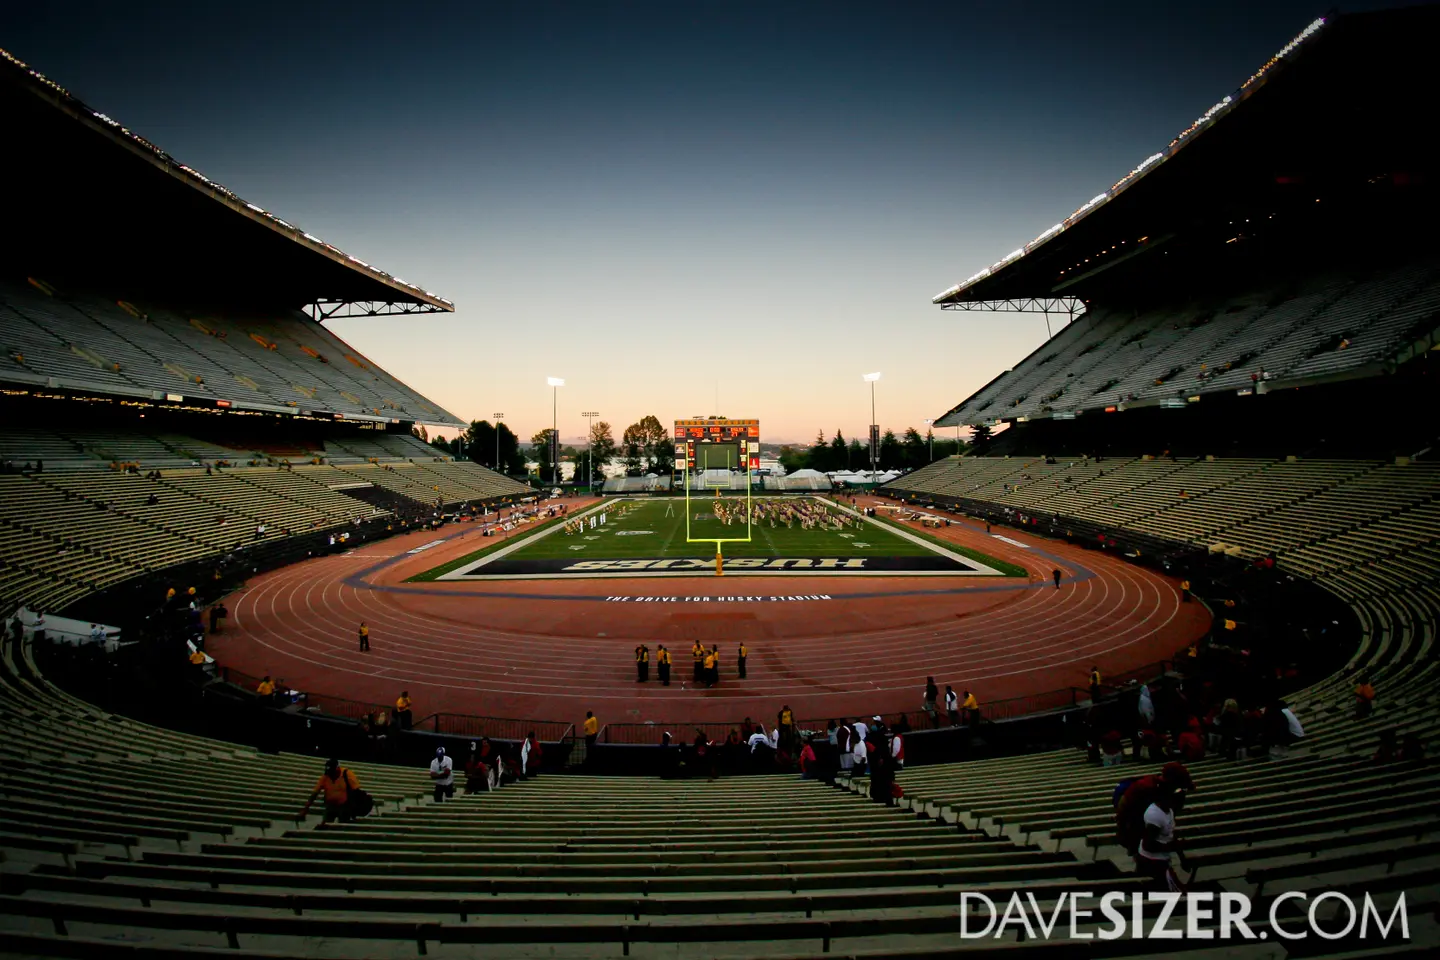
656, 529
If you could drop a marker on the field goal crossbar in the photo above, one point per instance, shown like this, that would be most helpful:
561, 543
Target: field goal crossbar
719, 541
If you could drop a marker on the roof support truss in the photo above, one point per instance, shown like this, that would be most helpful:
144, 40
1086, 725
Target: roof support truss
343, 309
1070, 306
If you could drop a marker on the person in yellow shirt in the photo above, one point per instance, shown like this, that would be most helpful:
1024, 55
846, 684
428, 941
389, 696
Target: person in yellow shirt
402, 710
663, 657
592, 730
197, 658
1185, 591
266, 688
642, 663
971, 707
707, 669
364, 637
740, 660
698, 653
336, 784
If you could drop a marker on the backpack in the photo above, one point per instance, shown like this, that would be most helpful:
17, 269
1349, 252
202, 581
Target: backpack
1120, 789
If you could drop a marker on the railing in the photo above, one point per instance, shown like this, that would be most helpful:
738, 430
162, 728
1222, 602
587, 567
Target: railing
497, 728
1011, 708
683, 731
310, 701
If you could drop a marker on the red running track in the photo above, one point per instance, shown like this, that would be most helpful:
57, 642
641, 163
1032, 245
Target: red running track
550, 650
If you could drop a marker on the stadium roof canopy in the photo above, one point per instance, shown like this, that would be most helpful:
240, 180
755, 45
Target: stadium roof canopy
1335, 104
88, 198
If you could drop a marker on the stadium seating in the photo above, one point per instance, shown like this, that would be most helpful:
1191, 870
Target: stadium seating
1312, 328
276, 361
67, 533
1300, 511
173, 842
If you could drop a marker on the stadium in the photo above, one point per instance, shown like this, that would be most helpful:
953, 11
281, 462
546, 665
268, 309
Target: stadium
1204, 512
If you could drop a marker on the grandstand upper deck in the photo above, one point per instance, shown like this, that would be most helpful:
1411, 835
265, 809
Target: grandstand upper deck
160, 220
1320, 116
1248, 260
156, 281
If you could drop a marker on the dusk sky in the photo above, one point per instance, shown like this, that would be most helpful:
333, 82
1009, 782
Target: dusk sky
651, 199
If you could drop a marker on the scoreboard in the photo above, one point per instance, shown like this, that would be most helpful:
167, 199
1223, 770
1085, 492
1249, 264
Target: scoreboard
743, 434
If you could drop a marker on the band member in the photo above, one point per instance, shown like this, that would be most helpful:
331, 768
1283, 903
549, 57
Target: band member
698, 653
663, 658
642, 663
740, 660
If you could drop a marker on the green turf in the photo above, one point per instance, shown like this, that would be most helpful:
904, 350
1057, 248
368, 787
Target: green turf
642, 529
491, 544
1009, 569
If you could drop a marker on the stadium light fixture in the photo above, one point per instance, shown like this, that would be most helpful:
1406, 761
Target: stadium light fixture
498, 418
590, 416
555, 383
870, 378
930, 433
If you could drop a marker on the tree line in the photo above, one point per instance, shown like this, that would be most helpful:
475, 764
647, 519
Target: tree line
909, 451
644, 447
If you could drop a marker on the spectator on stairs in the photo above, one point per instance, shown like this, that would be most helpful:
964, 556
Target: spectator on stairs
932, 693
859, 752
844, 745
336, 785
1146, 706
1190, 745
1133, 797
1364, 697
809, 762
1158, 843
480, 771
1228, 729
530, 756
442, 775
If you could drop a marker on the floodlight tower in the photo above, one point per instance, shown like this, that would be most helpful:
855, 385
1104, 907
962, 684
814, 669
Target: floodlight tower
555, 384
870, 378
590, 416
498, 418
930, 433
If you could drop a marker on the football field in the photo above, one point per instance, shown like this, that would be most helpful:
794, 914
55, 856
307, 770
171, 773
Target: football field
786, 534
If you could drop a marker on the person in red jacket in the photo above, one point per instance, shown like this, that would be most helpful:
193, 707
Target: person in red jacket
808, 761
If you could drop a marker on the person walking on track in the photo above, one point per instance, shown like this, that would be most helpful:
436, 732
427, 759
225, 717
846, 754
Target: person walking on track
364, 637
